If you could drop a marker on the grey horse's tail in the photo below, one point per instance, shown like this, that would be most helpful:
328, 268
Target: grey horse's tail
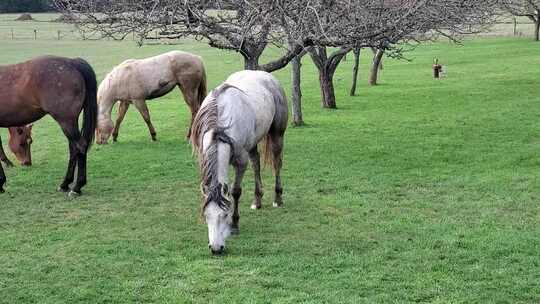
273, 141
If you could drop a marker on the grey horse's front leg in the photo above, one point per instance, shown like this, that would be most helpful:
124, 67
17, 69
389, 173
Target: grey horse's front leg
240, 168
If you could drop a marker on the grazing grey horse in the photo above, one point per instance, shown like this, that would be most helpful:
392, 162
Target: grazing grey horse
249, 107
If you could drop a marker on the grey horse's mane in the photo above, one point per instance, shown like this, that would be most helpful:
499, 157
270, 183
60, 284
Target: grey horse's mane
206, 121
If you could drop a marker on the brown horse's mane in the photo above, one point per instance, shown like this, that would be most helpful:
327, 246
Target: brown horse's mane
205, 121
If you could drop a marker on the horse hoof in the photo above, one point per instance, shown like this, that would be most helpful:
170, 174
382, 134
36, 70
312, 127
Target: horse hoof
235, 231
73, 194
255, 206
2, 190
62, 189
277, 205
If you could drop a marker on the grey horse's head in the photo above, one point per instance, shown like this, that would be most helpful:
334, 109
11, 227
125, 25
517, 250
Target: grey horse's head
217, 212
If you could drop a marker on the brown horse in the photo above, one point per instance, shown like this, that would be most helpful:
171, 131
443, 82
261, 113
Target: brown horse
20, 140
62, 88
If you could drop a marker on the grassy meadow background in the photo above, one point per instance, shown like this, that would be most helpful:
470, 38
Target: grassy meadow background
414, 191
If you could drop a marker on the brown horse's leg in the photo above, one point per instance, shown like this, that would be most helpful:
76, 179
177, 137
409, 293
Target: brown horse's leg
256, 163
277, 157
240, 168
3, 156
77, 156
81, 166
143, 109
71, 131
122, 110
70, 173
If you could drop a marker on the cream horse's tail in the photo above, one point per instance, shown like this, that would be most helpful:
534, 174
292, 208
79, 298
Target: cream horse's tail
202, 88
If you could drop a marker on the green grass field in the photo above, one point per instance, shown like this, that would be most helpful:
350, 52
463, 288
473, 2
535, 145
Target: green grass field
414, 191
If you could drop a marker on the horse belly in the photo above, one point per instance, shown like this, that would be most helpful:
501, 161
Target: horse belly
15, 117
265, 111
162, 90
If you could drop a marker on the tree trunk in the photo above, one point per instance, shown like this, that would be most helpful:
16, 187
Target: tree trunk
537, 29
297, 91
251, 63
327, 66
355, 70
328, 98
374, 77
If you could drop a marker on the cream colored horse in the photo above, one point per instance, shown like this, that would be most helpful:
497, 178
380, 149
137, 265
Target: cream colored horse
135, 81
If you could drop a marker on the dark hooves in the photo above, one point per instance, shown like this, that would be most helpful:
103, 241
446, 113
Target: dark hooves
2, 190
235, 231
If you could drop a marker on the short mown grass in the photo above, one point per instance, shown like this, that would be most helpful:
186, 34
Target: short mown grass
414, 191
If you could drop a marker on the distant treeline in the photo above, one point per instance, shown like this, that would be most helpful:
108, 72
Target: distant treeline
25, 6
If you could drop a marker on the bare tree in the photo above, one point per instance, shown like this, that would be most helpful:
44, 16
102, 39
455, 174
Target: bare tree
525, 8
327, 65
356, 69
376, 65
246, 27
386, 25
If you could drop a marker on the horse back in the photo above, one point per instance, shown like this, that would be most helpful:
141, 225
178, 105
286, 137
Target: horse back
31, 89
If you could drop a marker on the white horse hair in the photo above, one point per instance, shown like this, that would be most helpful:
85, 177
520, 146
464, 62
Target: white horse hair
249, 107
135, 81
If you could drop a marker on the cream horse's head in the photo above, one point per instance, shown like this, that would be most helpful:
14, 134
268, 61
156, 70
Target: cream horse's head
104, 130
105, 126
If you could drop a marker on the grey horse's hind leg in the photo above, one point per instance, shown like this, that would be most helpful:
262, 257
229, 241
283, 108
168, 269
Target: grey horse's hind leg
143, 109
277, 159
3, 156
240, 168
256, 163
122, 110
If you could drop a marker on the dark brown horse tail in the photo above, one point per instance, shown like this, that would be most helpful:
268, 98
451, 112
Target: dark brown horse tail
90, 107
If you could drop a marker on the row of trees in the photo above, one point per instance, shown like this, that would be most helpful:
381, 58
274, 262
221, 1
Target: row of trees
327, 30
25, 6
525, 8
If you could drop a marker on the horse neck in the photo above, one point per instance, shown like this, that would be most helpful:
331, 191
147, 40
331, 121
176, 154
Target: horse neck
216, 162
105, 103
